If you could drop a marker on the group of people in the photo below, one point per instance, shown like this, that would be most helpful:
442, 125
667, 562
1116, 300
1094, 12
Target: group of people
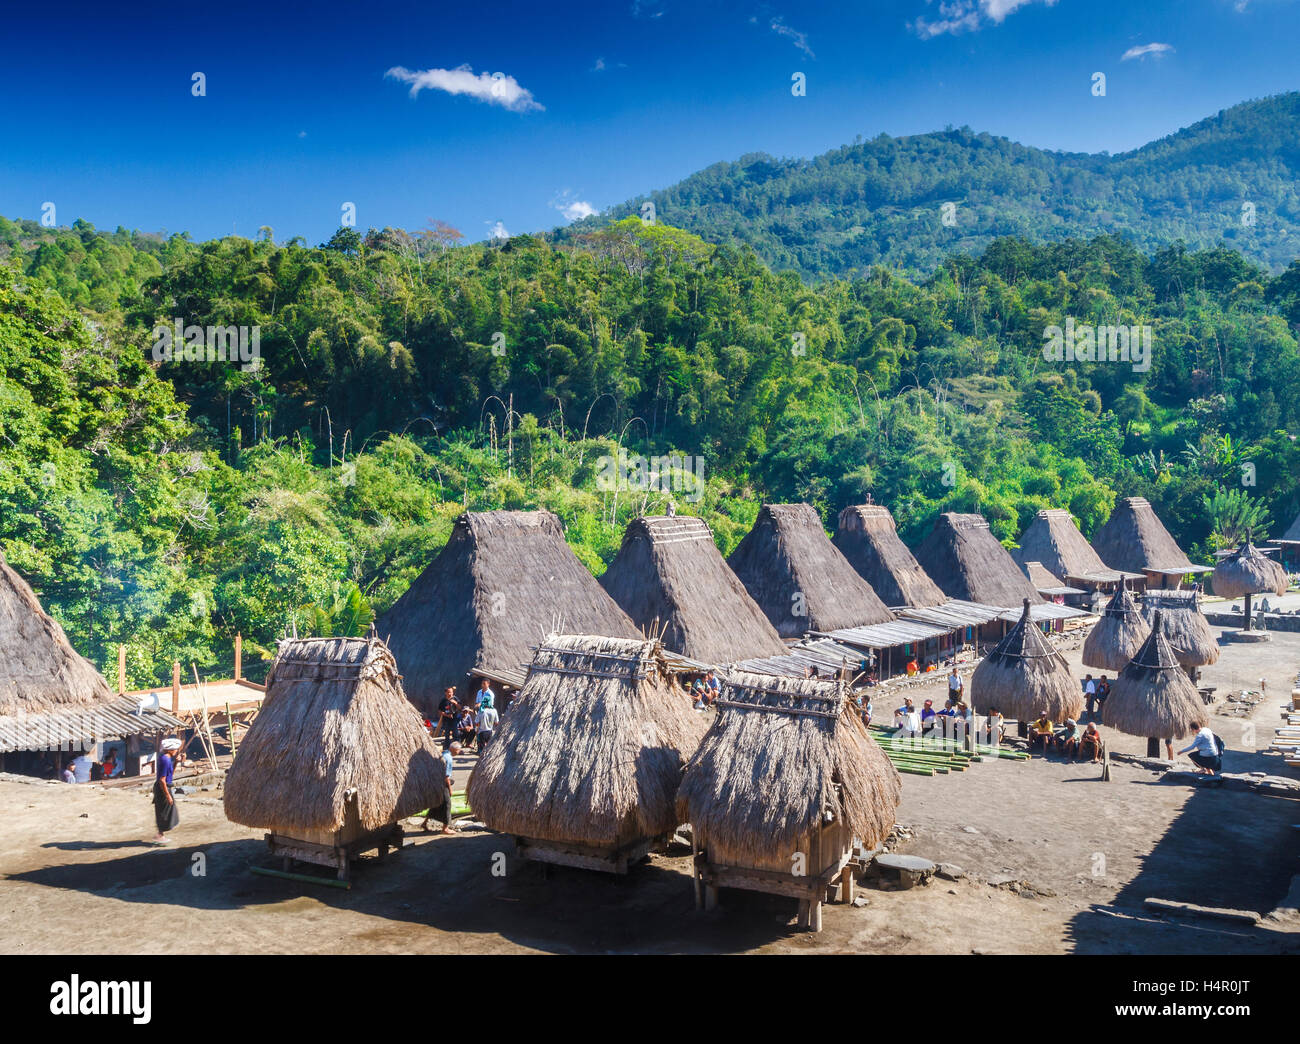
1072, 741
466, 725
85, 769
704, 689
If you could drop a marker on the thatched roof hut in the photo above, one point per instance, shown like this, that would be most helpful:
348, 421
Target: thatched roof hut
1053, 540
670, 578
336, 746
1025, 676
868, 540
786, 768
1115, 639
1248, 571
504, 581
965, 559
1047, 583
799, 578
1135, 540
40, 671
1185, 626
1152, 696
592, 753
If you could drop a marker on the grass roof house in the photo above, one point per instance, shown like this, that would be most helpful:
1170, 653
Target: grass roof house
1053, 540
868, 540
670, 578
1248, 571
505, 580
799, 578
965, 559
584, 769
337, 756
1185, 626
1025, 676
784, 781
1115, 639
1135, 540
1152, 696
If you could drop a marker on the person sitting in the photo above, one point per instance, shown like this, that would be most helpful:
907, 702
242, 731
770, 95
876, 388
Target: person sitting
994, 727
1067, 738
1040, 731
1205, 750
712, 688
911, 667
467, 729
1090, 744
928, 717
699, 698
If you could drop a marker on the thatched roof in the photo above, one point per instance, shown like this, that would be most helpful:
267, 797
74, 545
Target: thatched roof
1186, 628
1118, 635
334, 723
1054, 540
782, 753
799, 578
593, 750
40, 671
670, 578
1152, 696
966, 560
1292, 535
867, 538
1025, 676
1046, 582
1134, 539
504, 581
1248, 571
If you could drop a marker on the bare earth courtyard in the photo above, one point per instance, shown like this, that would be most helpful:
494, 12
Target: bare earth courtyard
76, 875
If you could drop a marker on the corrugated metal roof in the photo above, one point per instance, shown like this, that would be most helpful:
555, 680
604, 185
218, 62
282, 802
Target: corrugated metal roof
954, 614
76, 725
1045, 613
886, 635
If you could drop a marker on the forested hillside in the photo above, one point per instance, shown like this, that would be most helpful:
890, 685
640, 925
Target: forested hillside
1230, 179
169, 504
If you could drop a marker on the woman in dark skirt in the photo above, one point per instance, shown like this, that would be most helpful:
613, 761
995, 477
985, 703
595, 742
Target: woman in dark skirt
164, 801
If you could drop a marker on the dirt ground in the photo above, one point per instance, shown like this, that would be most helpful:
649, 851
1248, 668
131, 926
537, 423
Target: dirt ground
76, 875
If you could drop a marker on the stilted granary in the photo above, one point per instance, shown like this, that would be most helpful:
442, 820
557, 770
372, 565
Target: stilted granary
1248, 571
1152, 696
584, 769
799, 578
1025, 677
670, 578
868, 540
784, 784
505, 580
1115, 639
1185, 627
337, 757
1134, 540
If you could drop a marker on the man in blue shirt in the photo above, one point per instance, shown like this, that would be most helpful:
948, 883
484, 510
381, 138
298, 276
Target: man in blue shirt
442, 809
164, 801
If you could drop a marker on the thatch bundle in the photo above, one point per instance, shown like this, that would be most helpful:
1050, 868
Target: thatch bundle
1115, 639
1053, 540
1152, 696
1248, 571
799, 578
868, 540
965, 559
504, 580
1134, 539
670, 578
592, 751
1185, 626
1025, 676
782, 756
39, 669
334, 730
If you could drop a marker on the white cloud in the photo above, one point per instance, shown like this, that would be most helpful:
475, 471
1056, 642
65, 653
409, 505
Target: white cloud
495, 88
497, 231
577, 210
963, 16
1156, 50
599, 66
800, 40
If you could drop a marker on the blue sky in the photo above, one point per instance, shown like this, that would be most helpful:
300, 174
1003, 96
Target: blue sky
310, 106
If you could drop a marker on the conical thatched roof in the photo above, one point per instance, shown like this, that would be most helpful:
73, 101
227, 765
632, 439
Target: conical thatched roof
781, 753
1248, 571
1047, 583
504, 581
867, 538
1053, 540
799, 578
334, 722
1115, 639
670, 578
1134, 539
39, 669
966, 560
1185, 626
1153, 696
592, 751
1025, 677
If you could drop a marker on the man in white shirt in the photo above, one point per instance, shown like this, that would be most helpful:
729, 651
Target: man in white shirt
1204, 750
485, 695
81, 767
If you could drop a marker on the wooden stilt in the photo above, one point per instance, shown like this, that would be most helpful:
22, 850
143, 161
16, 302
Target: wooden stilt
695, 871
801, 918
847, 885
815, 917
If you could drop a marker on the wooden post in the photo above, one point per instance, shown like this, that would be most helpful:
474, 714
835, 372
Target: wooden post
239, 656
121, 669
695, 870
1153, 747
230, 727
815, 915
176, 686
1105, 765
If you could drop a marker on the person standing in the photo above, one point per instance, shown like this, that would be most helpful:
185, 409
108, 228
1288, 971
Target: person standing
954, 684
164, 799
1103, 691
486, 723
81, 766
443, 809
1090, 692
448, 713
485, 696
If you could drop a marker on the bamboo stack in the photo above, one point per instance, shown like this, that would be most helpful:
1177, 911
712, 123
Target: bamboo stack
937, 756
